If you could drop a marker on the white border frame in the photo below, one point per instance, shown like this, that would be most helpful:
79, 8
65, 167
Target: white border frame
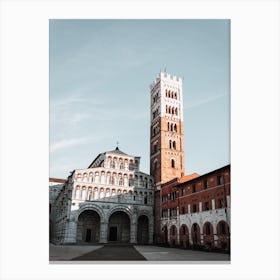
254, 137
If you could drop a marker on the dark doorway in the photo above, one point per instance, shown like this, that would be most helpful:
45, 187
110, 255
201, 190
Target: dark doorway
119, 227
88, 228
88, 235
113, 235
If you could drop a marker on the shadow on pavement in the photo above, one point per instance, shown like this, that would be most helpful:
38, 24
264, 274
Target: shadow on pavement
112, 253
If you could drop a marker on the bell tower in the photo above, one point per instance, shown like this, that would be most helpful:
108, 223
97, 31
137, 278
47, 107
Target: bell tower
166, 129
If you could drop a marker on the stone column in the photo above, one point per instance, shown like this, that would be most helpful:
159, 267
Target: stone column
151, 230
133, 231
103, 236
215, 234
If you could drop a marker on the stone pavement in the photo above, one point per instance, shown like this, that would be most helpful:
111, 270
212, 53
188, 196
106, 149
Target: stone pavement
66, 253
113, 253
156, 253
130, 253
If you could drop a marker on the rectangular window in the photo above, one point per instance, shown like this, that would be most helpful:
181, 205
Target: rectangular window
205, 184
193, 188
219, 180
220, 203
206, 206
183, 210
194, 208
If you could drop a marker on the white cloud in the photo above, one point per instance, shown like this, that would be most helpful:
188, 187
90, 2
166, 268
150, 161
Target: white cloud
67, 143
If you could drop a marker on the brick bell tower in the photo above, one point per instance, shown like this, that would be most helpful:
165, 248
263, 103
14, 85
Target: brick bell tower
167, 131
166, 136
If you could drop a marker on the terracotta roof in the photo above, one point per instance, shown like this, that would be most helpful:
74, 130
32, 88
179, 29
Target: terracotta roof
188, 177
57, 180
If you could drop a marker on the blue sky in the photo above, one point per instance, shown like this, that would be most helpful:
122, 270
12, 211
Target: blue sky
100, 72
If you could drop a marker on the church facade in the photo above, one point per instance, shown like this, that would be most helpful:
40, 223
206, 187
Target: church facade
110, 201
113, 201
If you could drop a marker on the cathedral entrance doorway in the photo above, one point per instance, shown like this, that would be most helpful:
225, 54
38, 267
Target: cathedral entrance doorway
119, 227
88, 229
143, 230
113, 234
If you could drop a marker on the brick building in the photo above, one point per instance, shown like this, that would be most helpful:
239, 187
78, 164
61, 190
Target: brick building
190, 211
195, 210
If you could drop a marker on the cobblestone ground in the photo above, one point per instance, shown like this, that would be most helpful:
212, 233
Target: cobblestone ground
128, 253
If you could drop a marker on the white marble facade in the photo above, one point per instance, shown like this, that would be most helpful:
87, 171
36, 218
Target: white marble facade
110, 201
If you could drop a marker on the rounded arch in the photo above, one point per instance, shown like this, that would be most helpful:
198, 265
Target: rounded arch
223, 233
119, 226
208, 235
173, 235
184, 236
164, 235
93, 207
119, 208
195, 233
88, 226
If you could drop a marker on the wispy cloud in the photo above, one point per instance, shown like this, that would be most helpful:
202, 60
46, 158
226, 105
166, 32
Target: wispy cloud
67, 143
204, 101
73, 97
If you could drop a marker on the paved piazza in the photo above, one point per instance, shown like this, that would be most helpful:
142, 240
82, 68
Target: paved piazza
130, 253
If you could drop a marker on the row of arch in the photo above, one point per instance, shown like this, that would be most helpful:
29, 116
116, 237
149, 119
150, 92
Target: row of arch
94, 193
196, 238
171, 110
171, 94
118, 228
121, 163
172, 127
114, 178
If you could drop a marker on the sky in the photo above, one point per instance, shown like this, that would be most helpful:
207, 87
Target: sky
100, 72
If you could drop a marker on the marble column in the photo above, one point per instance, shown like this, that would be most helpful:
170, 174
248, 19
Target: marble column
103, 232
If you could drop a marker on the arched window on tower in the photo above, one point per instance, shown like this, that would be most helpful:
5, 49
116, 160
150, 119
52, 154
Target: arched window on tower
175, 127
172, 96
169, 110
174, 145
175, 95
172, 111
170, 144
172, 163
171, 127
168, 126
176, 111
155, 147
169, 93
